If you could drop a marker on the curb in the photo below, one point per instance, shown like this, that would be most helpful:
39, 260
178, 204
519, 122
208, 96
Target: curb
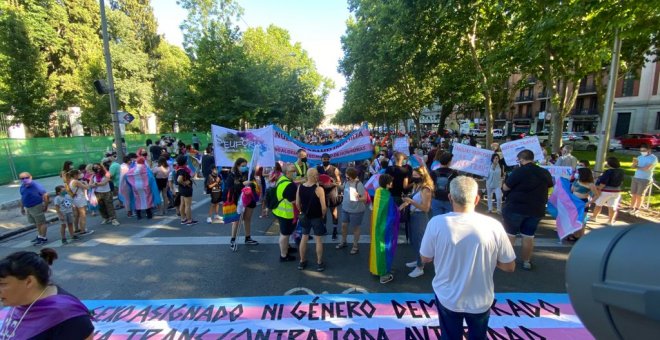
23, 229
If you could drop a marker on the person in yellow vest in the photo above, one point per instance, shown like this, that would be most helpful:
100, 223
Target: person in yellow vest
301, 166
286, 191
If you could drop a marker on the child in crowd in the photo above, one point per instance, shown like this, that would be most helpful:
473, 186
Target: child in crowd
64, 208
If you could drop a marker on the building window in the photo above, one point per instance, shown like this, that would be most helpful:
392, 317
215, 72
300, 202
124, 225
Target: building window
542, 107
628, 85
657, 120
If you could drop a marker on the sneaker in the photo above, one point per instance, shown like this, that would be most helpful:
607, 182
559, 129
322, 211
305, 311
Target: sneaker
251, 242
416, 272
36, 239
386, 278
87, 232
105, 221
340, 245
193, 222
412, 264
77, 232
320, 267
64, 241
209, 220
233, 246
291, 250
115, 222
41, 242
287, 258
75, 237
334, 234
302, 265
184, 222
527, 266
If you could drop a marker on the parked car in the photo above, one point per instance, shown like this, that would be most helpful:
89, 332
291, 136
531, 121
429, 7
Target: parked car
590, 143
634, 140
615, 144
477, 133
568, 136
498, 133
516, 135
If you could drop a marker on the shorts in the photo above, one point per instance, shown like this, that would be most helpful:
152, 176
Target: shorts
216, 197
286, 226
161, 183
316, 224
35, 215
68, 218
352, 219
515, 223
609, 199
639, 186
80, 201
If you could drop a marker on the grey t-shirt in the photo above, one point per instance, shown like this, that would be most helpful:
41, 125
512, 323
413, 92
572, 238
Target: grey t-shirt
352, 204
64, 203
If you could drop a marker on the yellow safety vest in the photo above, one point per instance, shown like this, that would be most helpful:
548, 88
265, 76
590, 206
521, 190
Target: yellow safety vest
302, 172
285, 208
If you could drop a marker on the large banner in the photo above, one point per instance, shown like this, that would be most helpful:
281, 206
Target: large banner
354, 147
511, 149
229, 145
348, 316
471, 159
401, 144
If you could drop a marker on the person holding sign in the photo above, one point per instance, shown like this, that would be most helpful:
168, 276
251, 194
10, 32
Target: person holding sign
525, 204
353, 209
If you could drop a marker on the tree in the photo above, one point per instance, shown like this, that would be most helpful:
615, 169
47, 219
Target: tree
172, 90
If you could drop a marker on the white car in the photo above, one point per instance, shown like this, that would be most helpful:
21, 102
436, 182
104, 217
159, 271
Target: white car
590, 143
498, 133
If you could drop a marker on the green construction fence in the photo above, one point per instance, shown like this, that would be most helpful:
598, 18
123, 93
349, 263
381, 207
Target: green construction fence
43, 157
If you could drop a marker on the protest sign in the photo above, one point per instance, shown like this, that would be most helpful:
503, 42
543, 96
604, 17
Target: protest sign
354, 147
347, 316
511, 149
471, 159
559, 171
229, 145
401, 145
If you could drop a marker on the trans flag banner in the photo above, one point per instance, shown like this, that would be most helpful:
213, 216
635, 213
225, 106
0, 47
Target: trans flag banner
566, 208
354, 147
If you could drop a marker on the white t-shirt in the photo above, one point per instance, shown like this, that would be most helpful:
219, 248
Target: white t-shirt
465, 248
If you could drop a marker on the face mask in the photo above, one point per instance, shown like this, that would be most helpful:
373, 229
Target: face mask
244, 169
304, 160
96, 170
579, 167
417, 180
63, 193
644, 153
326, 163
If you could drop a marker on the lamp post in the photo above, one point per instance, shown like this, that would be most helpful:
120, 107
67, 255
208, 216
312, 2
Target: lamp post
111, 84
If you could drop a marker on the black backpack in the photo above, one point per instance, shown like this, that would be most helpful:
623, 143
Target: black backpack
442, 181
271, 196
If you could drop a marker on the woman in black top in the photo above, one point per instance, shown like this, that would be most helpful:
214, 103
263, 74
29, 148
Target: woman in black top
39, 309
311, 201
236, 181
609, 186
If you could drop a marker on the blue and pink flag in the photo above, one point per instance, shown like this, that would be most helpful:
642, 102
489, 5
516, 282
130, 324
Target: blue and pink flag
567, 208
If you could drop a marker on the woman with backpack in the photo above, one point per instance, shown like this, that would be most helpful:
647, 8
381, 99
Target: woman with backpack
609, 187
352, 209
235, 182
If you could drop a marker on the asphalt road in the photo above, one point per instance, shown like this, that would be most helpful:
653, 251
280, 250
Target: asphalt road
161, 259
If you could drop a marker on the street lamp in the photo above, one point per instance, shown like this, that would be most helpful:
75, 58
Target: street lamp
111, 84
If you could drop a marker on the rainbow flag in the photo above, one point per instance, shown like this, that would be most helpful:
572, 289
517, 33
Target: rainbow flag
384, 232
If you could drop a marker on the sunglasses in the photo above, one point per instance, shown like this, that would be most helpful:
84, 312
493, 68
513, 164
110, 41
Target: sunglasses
22, 178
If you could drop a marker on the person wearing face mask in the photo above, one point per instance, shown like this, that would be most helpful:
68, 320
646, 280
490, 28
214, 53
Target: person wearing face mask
301, 166
237, 180
353, 208
64, 209
494, 183
140, 188
420, 206
609, 187
566, 159
332, 196
285, 195
641, 182
77, 188
100, 181
33, 204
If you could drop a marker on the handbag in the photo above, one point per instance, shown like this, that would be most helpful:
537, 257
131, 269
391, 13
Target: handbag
230, 210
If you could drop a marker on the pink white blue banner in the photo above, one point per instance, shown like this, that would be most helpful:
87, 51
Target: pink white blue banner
567, 208
354, 147
351, 316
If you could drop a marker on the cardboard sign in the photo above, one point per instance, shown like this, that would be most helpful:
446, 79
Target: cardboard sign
401, 145
471, 159
511, 149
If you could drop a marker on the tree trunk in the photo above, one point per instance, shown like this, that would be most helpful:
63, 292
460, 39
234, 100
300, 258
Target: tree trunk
418, 126
488, 103
447, 108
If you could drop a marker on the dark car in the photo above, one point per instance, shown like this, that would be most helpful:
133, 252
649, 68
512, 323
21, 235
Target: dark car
634, 140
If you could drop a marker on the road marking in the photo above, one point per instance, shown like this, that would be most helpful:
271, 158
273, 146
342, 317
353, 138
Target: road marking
224, 240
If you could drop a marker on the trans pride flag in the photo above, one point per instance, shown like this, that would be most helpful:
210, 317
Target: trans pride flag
384, 232
138, 188
566, 208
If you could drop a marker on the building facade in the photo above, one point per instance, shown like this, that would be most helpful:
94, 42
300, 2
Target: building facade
637, 102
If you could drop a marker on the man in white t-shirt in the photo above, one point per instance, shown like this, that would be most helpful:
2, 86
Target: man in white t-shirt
465, 248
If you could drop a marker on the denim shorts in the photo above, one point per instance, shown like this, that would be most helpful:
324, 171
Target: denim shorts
515, 223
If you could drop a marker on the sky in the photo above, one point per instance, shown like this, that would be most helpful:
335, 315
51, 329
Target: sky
317, 24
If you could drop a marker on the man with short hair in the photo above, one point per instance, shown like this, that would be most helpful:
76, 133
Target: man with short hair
465, 248
641, 182
34, 203
442, 178
285, 194
301, 165
527, 197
